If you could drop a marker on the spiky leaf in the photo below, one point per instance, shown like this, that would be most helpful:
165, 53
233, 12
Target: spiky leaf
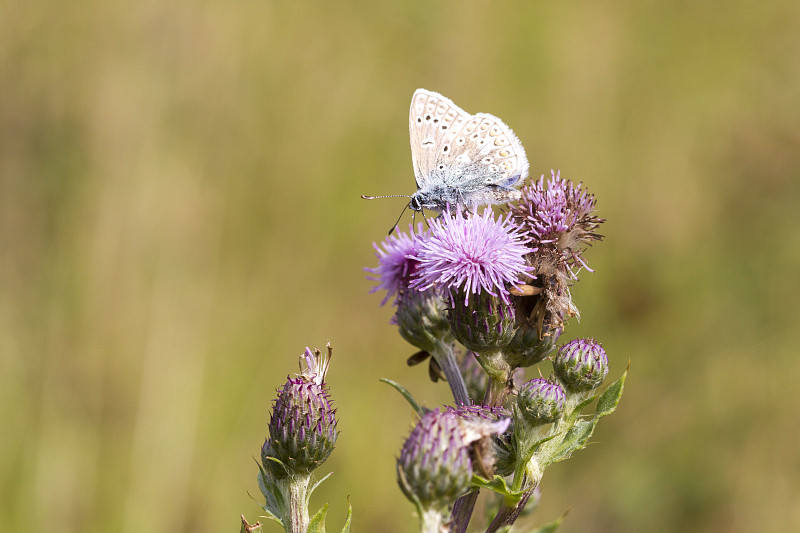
610, 398
317, 522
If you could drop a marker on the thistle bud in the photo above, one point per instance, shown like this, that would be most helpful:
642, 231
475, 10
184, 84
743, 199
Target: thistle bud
435, 466
483, 324
581, 365
302, 426
421, 318
541, 401
531, 344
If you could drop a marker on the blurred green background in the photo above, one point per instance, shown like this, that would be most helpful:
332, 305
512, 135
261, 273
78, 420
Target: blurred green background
180, 217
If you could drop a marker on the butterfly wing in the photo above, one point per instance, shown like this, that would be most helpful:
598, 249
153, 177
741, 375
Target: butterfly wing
444, 136
431, 121
485, 141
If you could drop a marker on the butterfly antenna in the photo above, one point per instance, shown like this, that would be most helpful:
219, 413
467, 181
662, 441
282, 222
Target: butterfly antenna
365, 197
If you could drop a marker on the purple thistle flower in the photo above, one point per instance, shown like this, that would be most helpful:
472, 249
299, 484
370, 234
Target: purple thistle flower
396, 264
472, 253
558, 215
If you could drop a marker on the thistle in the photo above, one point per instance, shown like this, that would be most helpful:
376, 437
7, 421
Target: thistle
302, 426
476, 260
302, 434
581, 365
541, 401
437, 461
420, 314
558, 217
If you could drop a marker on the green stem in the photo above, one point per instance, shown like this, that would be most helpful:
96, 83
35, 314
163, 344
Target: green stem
499, 373
296, 519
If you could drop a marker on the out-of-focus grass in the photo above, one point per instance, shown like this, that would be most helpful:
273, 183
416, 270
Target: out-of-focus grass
179, 217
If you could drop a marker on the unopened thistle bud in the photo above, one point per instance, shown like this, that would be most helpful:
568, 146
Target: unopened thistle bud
435, 466
541, 401
302, 426
581, 365
483, 324
532, 344
422, 318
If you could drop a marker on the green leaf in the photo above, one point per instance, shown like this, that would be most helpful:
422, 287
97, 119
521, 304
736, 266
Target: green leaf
272, 517
573, 440
498, 484
273, 498
407, 395
610, 398
346, 528
317, 523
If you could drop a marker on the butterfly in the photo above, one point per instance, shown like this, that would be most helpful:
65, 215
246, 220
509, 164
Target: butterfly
461, 159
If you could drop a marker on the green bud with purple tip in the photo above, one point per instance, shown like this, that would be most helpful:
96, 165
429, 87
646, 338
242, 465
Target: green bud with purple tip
581, 364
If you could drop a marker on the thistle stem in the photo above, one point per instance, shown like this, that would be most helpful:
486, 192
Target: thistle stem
445, 356
296, 520
499, 373
431, 521
508, 515
462, 512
